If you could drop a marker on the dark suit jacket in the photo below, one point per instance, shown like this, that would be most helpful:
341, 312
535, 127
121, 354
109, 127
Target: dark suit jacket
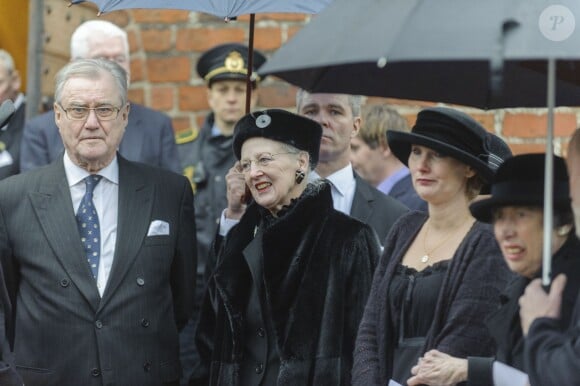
404, 192
8, 374
373, 207
64, 333
11, 139
148, 138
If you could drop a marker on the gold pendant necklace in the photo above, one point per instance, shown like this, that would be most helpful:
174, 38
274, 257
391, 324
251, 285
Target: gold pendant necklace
425, 258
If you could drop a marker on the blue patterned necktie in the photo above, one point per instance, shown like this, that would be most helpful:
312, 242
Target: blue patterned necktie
88, 223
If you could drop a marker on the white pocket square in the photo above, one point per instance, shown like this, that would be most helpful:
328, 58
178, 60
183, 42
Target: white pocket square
158, 228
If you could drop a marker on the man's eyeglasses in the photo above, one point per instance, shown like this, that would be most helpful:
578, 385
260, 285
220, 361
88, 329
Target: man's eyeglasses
262, 161
103, 113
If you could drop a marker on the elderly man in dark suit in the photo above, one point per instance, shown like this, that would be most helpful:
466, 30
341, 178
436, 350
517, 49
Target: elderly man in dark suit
149, 136
99, 296
340, 118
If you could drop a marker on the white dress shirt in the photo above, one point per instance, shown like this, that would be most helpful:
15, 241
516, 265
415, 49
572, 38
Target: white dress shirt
106, 200
342, 187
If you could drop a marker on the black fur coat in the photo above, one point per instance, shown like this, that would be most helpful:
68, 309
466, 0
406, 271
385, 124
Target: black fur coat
318, 267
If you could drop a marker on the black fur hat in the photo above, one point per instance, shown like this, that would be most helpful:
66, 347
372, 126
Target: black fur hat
279, 125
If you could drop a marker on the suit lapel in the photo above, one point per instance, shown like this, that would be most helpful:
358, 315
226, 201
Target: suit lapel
134, 213
362, 202
53, 207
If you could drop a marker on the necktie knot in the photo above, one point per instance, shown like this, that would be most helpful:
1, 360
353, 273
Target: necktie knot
91, 182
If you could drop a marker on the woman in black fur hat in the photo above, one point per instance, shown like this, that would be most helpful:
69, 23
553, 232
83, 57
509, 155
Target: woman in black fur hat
441, 272
515, 209
292, 278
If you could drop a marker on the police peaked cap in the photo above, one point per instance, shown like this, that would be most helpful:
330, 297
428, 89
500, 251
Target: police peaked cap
228, 62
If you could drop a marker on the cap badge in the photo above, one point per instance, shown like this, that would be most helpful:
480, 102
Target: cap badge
263, 120
234, 62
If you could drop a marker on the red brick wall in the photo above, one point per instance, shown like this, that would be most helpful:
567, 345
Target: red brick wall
165, 46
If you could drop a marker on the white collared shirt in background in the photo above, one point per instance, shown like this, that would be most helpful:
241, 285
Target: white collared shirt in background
106, 200
343, 187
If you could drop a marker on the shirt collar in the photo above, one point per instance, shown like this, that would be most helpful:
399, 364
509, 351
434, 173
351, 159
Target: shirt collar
391, 180
75, 174
341, 179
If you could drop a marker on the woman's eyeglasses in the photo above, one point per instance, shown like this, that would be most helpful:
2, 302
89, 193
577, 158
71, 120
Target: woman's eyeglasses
262, 161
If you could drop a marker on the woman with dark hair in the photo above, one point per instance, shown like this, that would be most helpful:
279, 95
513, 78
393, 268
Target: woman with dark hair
292, 277
441, 272
515, 208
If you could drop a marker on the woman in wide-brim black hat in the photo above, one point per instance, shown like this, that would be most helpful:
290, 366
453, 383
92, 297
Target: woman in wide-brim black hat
441, 272
515, 208
292, 277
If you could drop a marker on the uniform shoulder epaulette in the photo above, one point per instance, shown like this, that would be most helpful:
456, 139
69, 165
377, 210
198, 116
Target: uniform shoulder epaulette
185, 136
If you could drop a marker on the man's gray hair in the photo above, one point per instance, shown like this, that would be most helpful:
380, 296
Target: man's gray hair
79, 42
354, 101
7, 61
92, 69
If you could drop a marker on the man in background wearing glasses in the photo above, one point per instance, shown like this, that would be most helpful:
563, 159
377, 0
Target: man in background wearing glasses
149, 136
98, 252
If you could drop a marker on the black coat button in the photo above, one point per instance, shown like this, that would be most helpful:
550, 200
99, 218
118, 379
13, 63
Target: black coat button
140, 281
98, 324
145, 322
64, 283
259, 368
95, 372
261, 332
147, 366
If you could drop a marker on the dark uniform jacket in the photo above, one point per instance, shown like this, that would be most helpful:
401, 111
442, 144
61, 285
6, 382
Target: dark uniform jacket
206, 161
317, 270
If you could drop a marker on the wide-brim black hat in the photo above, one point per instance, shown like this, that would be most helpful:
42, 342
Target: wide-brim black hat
519, 181
452, 133
228, 62
282, 126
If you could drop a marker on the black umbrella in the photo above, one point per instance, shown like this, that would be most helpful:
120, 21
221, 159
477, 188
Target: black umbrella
486, 54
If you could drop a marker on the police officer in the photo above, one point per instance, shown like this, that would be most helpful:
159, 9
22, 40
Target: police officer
207, 155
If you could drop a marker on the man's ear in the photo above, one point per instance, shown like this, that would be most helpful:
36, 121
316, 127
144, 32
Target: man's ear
57, 113
385, 149
16, 81
356, 124
126, 111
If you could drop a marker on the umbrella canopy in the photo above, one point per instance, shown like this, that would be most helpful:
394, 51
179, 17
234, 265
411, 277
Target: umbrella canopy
227, 9
486, 54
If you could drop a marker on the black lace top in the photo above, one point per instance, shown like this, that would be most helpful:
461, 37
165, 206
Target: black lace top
416, 292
